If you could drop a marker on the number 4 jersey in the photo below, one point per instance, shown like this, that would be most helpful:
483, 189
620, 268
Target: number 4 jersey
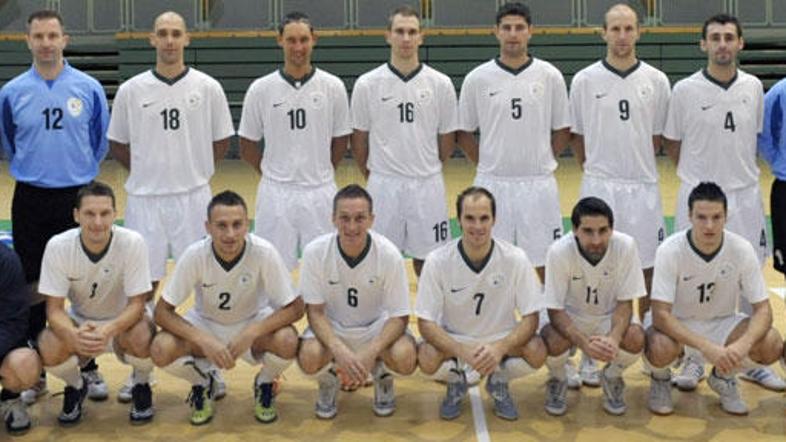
171, 125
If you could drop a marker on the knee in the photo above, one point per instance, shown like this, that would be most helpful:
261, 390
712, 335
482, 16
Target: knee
285, 342
428, 358
311, 356
24, 367
162, 349
769, 349
633, 340
555, 343
403, 356
660, 349
52, 349
137, 340
535, 352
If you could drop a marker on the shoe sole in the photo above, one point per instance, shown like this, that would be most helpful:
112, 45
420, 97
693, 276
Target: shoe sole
325, 416
140, 421
449, 418
124, 400
556, 412
614, 411
384, 412
98, 398
506, 417
263, 421
661, 412
198, 424
764, 386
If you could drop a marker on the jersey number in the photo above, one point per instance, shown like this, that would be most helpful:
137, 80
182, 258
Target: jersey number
479, 299
592, 294
624, 110
515, 108
52, 118
704, 292
297, 118
93, 289
224, 298
440, 231
728, 123
406, 112
171, 118
352, 297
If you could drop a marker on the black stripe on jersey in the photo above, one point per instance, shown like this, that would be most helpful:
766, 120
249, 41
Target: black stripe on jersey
622, 74
173, 80
705, 257
229, 265
514, 71
713, 80
405, 78
95, 257
353, 262
297, 83
482, 264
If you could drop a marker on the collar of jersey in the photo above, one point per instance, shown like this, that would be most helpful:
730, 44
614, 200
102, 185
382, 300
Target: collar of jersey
353, 262
294, 81
229, 265
95, 257
482, 264
712, 79
704, 256
513, 71
584, 255
173, 80
622, 74
66, 70
405, 78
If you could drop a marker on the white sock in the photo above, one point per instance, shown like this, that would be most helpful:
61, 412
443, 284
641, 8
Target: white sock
68, 371
187, 368
449, 371
623, 360
661, 374
556, 365
513, 368
273, 366
142, 368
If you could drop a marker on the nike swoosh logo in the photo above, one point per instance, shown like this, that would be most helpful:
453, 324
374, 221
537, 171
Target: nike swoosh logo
278, 104
333, 282
384, 99
458, 290
707, 107
144, 105
687, 278
207, 286
576, 278
599, 96
72, 279
491, 94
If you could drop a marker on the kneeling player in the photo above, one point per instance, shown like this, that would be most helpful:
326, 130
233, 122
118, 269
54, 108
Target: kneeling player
592, 277
467, 299
244, 307
701, 274
103, 271
357, 300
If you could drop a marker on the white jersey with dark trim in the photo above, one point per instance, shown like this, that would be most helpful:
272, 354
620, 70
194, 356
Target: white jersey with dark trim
516, 111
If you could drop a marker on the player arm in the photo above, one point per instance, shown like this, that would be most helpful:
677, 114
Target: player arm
128, 317
169, 320
560, 139
323, 330
281, 318
360, 150
577, 145
60, 322
121, 152
447, 143
620, 320
442, 341
338, 148
561, 321
758, 326
220, 149
673, 150
391, 331
468, 144
251, 154
520, 335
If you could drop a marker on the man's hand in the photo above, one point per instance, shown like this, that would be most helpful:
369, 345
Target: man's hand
602, 348
91, 340
241, 343
350, 368
486, 358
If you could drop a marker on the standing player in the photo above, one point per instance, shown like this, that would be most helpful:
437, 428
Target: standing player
404, 116
467, 300
520, 105
592, 278
19, 364
244, 307
357, 299
714, 117
54, 121
302, 112
103, 271
169, 126
701, 274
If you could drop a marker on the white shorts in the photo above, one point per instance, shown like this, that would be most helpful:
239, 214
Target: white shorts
355, 338
528, 212
717, 330
110, 345
745, 216
225, 332
411, 212
637, 212
290, 216
168, 221
589, 325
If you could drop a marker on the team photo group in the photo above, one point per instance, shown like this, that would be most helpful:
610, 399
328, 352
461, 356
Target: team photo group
511, 294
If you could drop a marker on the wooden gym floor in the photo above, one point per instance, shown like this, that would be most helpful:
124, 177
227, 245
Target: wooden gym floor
697, 415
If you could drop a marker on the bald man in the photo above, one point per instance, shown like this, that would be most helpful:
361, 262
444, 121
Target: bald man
169, 126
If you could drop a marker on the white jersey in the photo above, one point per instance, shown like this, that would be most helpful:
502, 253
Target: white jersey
97, 288
477, 303
403, 115
374, 285
298, 119
717, 125
170, 126
701, 289
258, 279
516, 110
584, 290
618, 113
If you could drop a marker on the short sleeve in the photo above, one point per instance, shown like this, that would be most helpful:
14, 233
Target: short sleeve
528, 298
118, 123
136, 276
556, 286
359, 108
396, 287
468, 111
560, 106
221, 117
251, 125
184, 279
276, 279
576, 99
341, 118
430, 297
54, 274
310, 277
664, 285
448, 108
662, 94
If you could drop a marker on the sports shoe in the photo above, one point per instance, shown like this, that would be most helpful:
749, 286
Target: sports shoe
613, 393
32, 394
691, 374
588, 371
96, 387
384, 395
15, 416
556, 397
765, 377
219, 384
326, 400
142, 409
201, 402
572, 375
451, 404
730, 400
264, 402
660, 396
73, 399
504, 406
124, 395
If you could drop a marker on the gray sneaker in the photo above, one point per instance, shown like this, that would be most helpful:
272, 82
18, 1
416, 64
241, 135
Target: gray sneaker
660, 396
384, 395
556, 397
451, 404
326, 401
15, 416
504, 406
691, 374
96, 387
730, 400
588, 371
32, 394
613, 393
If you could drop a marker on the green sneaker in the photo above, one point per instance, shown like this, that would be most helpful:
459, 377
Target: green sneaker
201, 402
264, 403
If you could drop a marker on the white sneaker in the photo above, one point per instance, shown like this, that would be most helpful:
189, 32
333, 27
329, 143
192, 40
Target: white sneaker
765, 377
572, 375
660, 397
32, 394
15, 416
220, 385
730, 400
96, 387
691, 374
124, 395
589, 372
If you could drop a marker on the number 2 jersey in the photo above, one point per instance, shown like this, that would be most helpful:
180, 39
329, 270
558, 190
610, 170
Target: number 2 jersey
477, 303
258, 279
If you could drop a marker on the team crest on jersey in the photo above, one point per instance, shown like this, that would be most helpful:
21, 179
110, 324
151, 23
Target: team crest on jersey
194, 100
745, 98
497, 280
536, 90
245, 279
726, 270
372, 280
75, 106
317, 100
645, 91
424, 96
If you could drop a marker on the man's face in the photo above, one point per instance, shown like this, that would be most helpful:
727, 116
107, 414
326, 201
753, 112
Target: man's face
46, 41
227, 226
476, 221
95, 216
513, 33
707, 219
722, 44
353, 219
170, 39
621, 32
298, 42
593, 234
404, 37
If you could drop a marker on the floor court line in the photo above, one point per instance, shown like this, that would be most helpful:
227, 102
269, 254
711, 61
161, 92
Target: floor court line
478, 415
780, 291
